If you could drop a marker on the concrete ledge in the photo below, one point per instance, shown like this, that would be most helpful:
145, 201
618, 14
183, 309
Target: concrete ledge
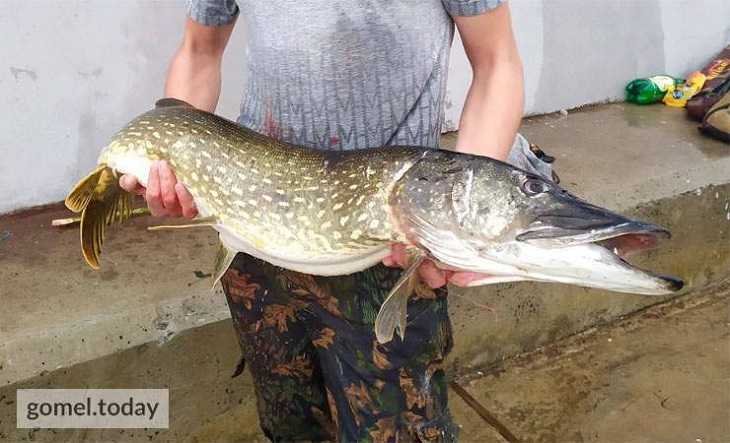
57, 313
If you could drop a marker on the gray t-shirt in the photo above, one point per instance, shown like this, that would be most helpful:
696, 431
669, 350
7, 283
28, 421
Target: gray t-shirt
344, 74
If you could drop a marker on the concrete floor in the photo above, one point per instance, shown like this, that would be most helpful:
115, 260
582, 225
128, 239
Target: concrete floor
148, 320
662, 375
659, 376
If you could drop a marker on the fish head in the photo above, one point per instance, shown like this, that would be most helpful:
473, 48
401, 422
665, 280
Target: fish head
552, 217
452, 192
484, 216
564, 238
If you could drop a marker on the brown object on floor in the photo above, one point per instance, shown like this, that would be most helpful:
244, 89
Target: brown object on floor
716, 85
716, 123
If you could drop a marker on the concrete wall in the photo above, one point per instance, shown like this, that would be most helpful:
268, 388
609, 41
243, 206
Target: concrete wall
577, 52
71, 71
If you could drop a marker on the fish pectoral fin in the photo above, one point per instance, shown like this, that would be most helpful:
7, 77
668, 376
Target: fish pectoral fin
423, 290
393, 312
223, 260
196, 223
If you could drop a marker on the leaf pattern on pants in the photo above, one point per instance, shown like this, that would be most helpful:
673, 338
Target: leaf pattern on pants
319, 373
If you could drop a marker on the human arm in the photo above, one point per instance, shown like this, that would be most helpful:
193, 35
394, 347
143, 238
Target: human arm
195, 71
194, 76
494, 104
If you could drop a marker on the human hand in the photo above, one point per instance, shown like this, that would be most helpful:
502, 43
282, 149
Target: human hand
165, 196
431, 274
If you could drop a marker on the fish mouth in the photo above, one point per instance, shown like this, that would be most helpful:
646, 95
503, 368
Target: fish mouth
571, 221
569, 233
620, 243
620, 236
627, 245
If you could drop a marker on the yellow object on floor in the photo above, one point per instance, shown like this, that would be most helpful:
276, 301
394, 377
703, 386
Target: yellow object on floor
678, 95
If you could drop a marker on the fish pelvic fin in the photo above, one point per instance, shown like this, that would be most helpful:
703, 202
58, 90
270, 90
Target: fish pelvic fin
223, 260
394, 310
102, 202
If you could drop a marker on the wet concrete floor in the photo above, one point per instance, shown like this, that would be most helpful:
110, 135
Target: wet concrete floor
661, 375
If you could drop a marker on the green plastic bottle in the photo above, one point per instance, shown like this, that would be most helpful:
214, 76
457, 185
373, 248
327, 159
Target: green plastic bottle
645, 91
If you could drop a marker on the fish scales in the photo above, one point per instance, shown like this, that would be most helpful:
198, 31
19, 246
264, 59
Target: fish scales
298, 201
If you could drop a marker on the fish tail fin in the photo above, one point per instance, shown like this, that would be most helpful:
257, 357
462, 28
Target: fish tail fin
102, 202
79, 197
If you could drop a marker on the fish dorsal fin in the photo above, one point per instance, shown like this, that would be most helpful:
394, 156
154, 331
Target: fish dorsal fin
393, 312
169, 102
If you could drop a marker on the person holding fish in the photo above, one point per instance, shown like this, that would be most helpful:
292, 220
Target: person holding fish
342, 76
332, 161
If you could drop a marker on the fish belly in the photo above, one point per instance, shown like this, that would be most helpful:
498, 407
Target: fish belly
325, 264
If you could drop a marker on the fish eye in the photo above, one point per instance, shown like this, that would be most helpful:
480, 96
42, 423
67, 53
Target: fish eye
533, 186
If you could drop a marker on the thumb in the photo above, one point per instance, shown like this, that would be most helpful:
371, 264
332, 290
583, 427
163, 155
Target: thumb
130, 183
466, 279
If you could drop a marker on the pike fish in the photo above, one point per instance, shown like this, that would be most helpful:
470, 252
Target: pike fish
335, 213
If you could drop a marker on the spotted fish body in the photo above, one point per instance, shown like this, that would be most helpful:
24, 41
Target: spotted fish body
313, 211
335, 213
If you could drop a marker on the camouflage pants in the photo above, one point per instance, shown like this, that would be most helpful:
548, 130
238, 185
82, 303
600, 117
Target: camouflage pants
318, 371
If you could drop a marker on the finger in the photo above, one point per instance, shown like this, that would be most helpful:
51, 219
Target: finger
129, 183
466, 279
186, 201
398, 252
167, 189
431, 275
395, 259
153, 195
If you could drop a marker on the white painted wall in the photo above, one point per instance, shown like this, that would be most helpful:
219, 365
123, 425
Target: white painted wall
577, 52
72, 70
